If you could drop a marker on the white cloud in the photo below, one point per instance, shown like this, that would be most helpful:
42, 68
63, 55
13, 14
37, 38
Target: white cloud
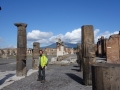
71, 37
46, 38
106, 34
38, 35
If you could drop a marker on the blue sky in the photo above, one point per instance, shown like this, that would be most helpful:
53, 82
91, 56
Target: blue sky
48, 19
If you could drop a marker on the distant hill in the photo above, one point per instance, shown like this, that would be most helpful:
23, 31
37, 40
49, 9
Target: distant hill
69, 45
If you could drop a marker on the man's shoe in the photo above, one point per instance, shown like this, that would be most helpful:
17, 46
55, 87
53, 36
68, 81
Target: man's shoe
43, 81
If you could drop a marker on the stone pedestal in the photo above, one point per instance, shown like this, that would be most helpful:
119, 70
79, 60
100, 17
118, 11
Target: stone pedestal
88, 52
35, 54
21, 49
106, 76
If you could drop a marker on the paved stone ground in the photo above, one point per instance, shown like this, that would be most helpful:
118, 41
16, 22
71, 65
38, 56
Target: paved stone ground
57, 78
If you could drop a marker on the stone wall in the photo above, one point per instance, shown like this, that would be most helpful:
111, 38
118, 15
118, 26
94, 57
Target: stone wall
113, 49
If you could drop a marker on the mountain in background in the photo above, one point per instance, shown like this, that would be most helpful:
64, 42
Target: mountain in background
69, 45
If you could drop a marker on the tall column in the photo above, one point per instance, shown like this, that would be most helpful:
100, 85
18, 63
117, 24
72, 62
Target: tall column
21, 49
88, 52
35, 54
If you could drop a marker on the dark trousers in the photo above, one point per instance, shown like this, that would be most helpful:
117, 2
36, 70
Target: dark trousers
41, 73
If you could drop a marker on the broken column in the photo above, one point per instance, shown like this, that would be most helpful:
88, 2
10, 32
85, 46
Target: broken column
60, 47
88, 52
113, 49
35, 55
21, 49
105, 76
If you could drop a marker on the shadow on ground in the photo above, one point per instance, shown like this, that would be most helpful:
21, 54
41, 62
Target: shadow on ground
5, 78
75, 78
75, 66
78, 70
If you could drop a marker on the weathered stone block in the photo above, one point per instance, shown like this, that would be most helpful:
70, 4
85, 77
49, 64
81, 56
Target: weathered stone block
105, 76
65, 62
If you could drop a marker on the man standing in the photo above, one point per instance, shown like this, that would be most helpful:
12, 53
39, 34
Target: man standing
41, 64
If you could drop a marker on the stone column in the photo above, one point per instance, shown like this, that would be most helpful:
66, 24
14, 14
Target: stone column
80, 57
21, 49
88, 52
35, 54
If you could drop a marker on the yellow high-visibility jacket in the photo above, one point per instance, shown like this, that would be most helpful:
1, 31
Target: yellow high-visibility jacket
43, 60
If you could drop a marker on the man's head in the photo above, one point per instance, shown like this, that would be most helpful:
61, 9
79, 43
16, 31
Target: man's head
40, 52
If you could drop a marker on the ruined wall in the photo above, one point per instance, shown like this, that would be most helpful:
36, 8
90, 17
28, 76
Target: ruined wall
113, 49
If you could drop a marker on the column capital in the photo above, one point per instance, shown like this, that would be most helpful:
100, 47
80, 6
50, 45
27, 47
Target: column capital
20, 24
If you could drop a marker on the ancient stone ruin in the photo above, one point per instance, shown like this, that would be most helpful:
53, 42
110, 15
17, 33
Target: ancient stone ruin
21, 49
59, 47
88, 52
105, 76
29, 51
35, 55
79, 56
101, 47
50, 51
113, 49
109, 48
62, 53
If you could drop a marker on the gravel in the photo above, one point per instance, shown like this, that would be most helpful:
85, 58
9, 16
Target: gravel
57, 78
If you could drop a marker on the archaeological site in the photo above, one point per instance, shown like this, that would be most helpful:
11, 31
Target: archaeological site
98, 63
39, 52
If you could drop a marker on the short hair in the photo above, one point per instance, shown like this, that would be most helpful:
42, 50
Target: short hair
41, 51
